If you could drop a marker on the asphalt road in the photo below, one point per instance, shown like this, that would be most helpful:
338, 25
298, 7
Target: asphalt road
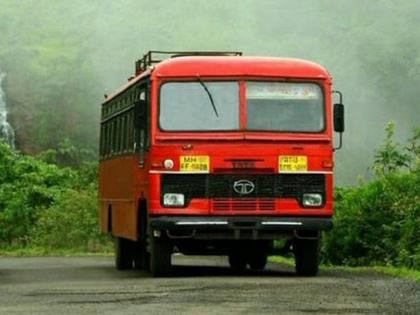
199, 285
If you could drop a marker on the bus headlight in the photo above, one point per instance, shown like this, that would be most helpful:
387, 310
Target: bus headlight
173, 200
312, 200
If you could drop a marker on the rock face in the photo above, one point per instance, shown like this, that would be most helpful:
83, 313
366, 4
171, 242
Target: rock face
6, 130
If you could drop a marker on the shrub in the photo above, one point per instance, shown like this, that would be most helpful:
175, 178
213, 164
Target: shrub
379, 222
71, 223
26, 186
46, 205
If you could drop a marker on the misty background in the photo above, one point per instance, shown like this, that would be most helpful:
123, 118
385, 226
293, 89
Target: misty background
60, 57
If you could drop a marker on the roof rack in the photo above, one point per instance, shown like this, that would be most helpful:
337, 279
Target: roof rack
156, 56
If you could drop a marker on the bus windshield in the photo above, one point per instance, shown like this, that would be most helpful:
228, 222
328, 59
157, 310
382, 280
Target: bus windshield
284, 106
270, 106
187, 106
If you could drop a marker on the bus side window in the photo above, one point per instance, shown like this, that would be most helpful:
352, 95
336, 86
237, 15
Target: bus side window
114, 137
142, 120
102, 142
124, 134
120, 135
110, 123
130, 131
147, 118
108, 138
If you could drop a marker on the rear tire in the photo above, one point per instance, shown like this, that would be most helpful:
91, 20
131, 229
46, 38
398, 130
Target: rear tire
306, 256
124, 253
160, 256
237, 261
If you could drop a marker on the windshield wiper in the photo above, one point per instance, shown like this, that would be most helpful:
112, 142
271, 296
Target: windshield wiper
209, 94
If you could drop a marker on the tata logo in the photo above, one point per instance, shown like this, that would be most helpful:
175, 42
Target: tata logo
243, 187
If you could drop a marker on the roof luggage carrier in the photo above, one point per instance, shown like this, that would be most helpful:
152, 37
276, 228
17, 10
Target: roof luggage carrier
156, 56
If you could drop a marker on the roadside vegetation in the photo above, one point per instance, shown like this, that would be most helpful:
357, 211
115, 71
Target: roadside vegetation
45, 207
402, 272
48, 207
378, 222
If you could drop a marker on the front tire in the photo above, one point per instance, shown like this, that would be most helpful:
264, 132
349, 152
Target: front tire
237, 261
258, 261
160, 256
141, 257
306, 256
124, 253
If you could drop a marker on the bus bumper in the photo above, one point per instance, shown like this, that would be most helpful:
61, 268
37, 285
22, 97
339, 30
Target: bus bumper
244, 227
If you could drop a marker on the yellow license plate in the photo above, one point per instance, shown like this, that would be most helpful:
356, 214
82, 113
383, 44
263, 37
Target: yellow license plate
293, 163
194, 163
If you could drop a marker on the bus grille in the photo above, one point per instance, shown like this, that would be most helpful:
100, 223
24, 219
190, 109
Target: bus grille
219, 188
243, 204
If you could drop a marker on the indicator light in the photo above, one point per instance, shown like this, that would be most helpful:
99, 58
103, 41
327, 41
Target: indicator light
168, 164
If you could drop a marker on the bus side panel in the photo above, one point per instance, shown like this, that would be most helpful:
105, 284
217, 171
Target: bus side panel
104, 217
117, 197
142, 190
124, 219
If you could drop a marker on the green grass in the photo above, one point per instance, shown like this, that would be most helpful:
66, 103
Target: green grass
282, 260
42, 251
400, 272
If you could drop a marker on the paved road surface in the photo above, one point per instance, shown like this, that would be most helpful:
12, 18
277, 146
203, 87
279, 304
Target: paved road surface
200, 285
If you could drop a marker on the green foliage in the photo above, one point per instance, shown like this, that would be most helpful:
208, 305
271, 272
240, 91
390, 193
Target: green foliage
26, 186
413, 150
46, 205
71, 222
390, 157
379, 222
67, 154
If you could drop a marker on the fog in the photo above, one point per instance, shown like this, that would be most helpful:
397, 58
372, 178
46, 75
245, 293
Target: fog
62, 56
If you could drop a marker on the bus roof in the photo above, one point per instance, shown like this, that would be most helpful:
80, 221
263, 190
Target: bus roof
121, 89
229, 66
239, 66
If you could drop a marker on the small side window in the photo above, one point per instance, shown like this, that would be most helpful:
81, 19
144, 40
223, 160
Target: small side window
142, 118
102, 141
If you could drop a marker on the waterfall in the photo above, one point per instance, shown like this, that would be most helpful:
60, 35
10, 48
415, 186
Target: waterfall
6, 131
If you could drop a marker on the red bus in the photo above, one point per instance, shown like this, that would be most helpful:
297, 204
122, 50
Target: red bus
218, 154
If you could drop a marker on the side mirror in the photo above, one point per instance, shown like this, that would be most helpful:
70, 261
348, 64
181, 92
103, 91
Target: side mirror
338, 117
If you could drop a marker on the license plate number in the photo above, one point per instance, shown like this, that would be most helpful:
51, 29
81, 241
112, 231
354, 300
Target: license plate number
194, 163
293, 163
